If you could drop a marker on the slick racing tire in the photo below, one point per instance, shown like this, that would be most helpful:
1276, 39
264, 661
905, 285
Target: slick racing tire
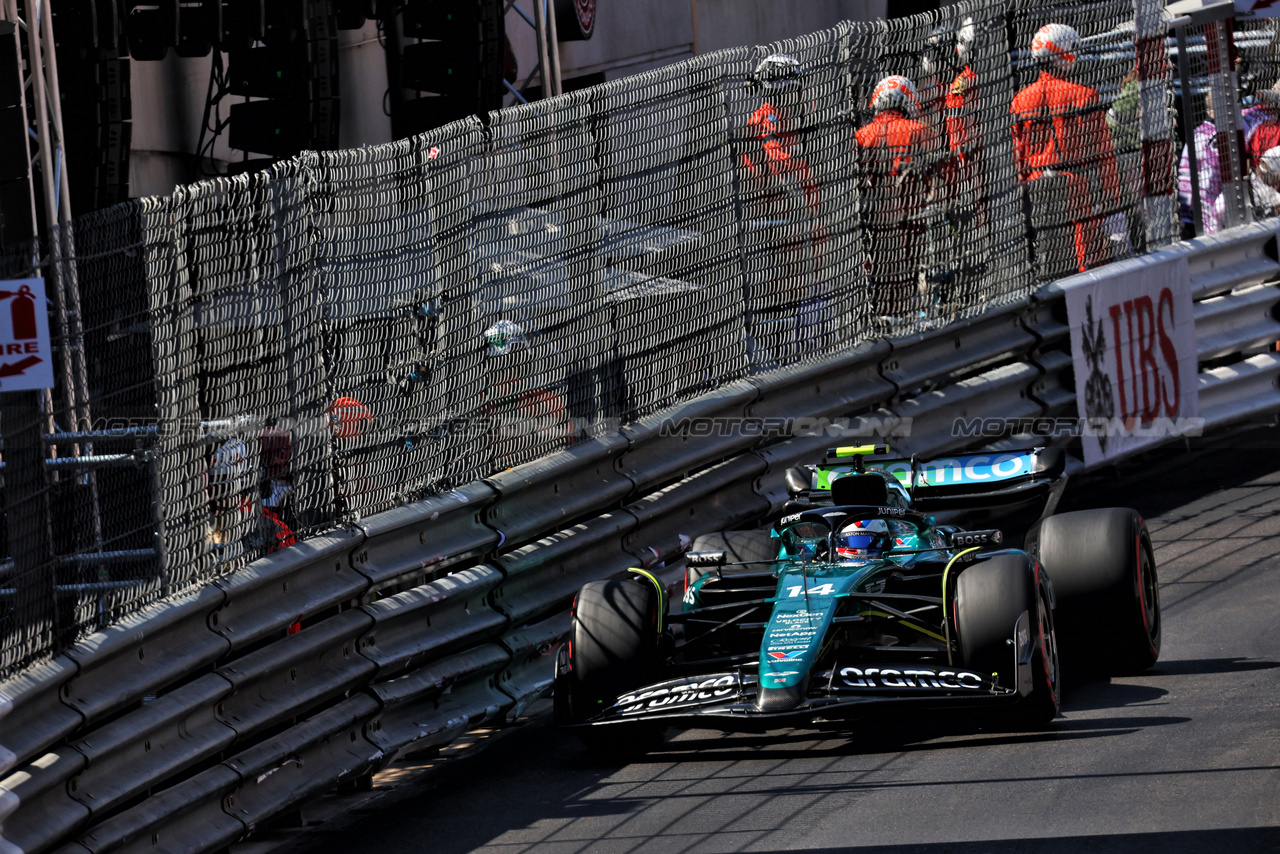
614, 649
990, 598
1108, 595
738, 547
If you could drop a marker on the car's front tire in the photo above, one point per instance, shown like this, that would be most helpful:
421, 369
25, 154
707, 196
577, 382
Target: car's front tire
614, 648
990, 598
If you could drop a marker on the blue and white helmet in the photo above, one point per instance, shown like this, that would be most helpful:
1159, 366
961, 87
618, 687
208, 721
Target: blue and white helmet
864, 538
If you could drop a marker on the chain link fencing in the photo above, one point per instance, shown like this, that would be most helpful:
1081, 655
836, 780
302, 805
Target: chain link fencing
276, 354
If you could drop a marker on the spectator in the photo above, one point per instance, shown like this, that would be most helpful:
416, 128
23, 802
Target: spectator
350, 420
1208, 172
1262, 124
1060, 133
961, 237
895, 151
1124, 120
967, 187
964, 133
1266, 183
784, 202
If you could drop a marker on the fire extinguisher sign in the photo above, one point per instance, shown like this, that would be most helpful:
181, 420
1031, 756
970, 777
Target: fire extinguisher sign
26, 357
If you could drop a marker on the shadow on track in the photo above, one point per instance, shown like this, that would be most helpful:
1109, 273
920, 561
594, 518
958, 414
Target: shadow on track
1253, 839
1202, 666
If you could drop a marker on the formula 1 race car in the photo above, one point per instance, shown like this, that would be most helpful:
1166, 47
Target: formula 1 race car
857, 601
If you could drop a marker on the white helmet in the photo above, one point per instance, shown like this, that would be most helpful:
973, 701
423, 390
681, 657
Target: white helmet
778, 72
1056, 45
965, 37
1269, 166
895, 92
230, 471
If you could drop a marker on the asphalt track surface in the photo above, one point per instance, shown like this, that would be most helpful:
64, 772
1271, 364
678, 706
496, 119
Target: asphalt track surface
1185, 758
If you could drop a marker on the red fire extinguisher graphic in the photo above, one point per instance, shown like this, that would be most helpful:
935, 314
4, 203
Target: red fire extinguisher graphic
23, 313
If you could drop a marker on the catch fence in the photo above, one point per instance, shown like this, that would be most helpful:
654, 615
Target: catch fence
281, 353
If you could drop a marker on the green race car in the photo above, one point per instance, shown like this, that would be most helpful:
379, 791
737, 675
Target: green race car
858, 600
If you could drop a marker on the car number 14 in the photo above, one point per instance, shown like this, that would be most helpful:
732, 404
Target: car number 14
820, 590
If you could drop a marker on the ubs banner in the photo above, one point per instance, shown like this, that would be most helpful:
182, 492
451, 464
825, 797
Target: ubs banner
1133, 344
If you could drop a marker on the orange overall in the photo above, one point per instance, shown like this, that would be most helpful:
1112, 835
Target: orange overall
1060, 128
891, 160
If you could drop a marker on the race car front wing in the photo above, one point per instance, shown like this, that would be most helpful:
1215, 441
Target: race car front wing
729, 700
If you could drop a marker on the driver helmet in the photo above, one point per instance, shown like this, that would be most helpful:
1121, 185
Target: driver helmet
866, 538
895, 92
1055, 45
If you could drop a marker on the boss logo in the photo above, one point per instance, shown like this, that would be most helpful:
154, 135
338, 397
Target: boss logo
976, 538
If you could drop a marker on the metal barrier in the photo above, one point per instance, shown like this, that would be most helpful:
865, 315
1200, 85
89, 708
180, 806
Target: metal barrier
411, 544
325, 661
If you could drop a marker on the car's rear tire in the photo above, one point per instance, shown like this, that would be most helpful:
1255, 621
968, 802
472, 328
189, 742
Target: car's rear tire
990, 598
739, 547
1108, 595
614, 649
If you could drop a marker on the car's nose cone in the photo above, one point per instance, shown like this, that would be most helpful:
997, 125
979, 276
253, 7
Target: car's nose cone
781, 699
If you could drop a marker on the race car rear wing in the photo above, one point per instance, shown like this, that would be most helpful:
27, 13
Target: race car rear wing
951, 482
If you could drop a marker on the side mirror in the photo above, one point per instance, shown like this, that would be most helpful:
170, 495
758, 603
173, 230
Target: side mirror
799, 480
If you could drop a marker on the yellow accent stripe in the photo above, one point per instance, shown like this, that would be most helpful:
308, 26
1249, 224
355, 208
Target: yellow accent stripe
946, 623
662, 594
